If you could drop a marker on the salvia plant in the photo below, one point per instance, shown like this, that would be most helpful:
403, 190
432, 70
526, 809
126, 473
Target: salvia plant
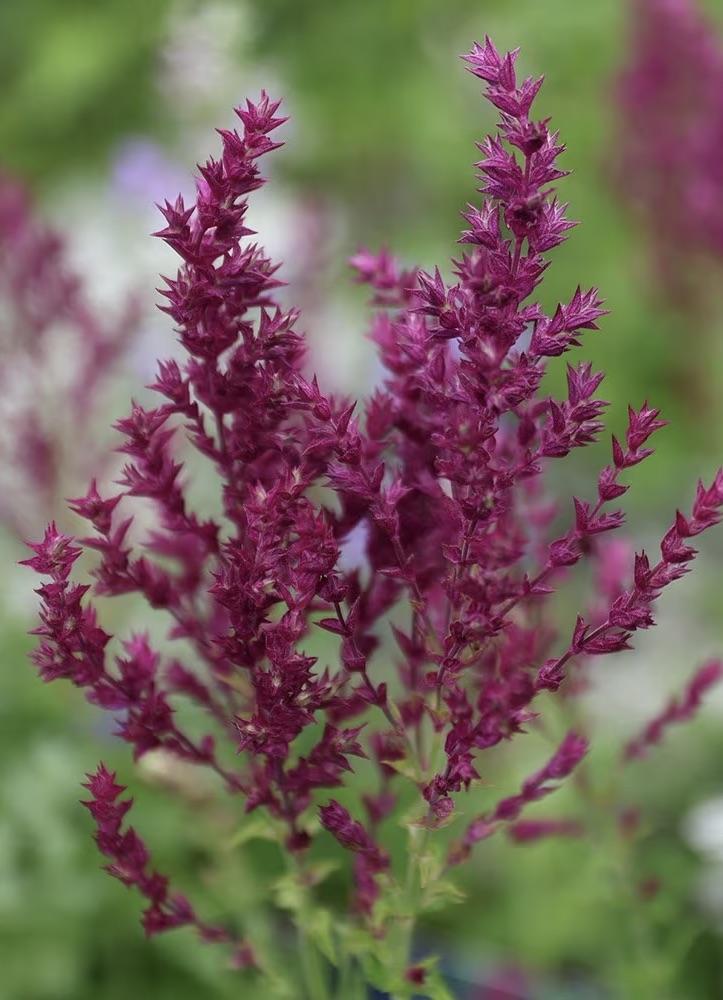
441, 474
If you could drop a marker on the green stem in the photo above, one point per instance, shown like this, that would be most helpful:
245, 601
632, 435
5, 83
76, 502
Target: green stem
645, 972
314, 973
411, 907
640, 971
351, 984
637, 966
315, 980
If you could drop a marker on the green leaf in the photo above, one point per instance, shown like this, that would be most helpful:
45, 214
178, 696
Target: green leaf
356, 940
319, 927
289, 893
435, 987
316, 872
431, 866
441, 893
407, 769
259, 827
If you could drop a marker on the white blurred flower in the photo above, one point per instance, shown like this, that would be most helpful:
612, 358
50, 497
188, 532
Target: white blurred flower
703, 829
201, 53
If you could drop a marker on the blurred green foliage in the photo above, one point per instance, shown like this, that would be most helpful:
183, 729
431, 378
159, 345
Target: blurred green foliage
74, 76
67, 931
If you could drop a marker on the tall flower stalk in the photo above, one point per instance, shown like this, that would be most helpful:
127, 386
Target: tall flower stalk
442, 471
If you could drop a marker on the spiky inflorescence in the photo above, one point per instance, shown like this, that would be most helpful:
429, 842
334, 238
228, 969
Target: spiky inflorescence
443, 477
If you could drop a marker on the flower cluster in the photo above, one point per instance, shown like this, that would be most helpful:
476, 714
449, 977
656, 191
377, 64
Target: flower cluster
563, 762
441, 473
47, 317
129, 860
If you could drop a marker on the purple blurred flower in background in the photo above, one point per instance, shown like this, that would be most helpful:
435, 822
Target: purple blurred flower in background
59, 356
670, 138
143, 171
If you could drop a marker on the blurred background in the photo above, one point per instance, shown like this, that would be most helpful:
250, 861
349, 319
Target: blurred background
105, 109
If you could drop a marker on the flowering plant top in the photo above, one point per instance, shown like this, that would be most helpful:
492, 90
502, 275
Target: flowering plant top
441, 469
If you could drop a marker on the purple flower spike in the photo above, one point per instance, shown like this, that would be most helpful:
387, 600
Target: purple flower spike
435, 642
